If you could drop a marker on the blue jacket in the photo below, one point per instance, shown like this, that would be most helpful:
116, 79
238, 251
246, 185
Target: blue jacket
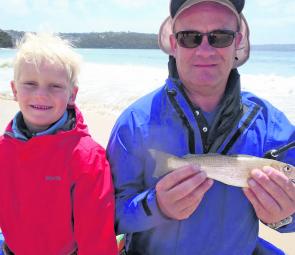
225, 222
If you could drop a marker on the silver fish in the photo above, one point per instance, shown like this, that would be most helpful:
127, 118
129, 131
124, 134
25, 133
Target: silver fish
232, 170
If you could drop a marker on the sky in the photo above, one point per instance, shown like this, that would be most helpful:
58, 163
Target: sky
270, 21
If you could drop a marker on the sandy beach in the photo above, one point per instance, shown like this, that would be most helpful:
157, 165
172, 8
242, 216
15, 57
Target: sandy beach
100, 126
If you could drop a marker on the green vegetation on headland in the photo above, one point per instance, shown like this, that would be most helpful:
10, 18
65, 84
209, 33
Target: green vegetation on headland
106, 40
5, 40
113, 40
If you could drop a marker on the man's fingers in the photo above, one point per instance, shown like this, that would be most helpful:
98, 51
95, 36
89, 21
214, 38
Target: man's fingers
174, 178
286, 185
187, 186
187, 212
275, 188
179, 194
264, 198
269, 186
254, 201
271, 194
195, 197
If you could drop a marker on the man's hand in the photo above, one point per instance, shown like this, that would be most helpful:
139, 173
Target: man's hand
272, 195
179, 193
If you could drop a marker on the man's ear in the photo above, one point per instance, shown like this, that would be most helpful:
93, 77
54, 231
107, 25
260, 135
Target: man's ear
173, 44
14, 90
238, 40
73, 95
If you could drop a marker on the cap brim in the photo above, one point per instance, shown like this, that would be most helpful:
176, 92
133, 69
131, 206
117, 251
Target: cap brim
164, 36
243, 51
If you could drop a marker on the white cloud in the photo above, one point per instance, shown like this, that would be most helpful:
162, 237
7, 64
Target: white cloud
267, 14
277, 7
50, 6
133, 3
39, 5
35, 7
61, 4
267, 3
290, 10
267, 18
15, 7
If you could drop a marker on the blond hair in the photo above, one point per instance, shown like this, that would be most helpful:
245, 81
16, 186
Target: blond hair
40, 47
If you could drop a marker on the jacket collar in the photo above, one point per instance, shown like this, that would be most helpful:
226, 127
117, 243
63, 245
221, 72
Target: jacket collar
229, 110
20, 131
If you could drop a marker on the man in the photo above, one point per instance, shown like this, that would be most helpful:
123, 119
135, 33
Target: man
200, 110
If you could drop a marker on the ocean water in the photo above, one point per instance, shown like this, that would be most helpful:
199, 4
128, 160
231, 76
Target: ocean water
111, 79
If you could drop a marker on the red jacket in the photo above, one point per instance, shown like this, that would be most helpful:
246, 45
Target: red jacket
56, 194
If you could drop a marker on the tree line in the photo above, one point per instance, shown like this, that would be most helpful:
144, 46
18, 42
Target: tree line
108, 40
5, 40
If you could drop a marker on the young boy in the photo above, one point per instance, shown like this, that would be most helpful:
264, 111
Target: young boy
56, 192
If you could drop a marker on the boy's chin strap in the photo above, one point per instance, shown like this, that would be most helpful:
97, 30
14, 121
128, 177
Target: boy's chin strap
273, 154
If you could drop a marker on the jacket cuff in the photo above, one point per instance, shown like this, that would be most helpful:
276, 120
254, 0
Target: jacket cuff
151, 208
288, 228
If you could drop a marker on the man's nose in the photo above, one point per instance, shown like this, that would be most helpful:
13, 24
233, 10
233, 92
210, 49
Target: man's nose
205, 48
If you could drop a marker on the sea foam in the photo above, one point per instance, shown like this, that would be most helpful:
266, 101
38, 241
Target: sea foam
108, 88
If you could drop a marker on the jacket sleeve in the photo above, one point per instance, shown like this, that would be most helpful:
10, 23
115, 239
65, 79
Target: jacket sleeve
1, 242
93, 204
281, 132
136, 204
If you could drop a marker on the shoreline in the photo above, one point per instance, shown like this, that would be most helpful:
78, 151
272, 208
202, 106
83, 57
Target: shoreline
100, 126
111, 90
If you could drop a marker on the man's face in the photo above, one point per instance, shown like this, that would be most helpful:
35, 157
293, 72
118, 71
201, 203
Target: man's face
205, 69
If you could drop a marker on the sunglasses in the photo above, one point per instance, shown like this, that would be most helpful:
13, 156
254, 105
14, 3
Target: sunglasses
216, 38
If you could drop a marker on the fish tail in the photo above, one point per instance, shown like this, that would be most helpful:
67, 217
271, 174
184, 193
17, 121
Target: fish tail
161, 162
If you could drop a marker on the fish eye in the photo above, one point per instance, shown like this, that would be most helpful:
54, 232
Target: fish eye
287, 168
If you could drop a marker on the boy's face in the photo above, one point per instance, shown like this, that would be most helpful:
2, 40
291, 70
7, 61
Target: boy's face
43, 94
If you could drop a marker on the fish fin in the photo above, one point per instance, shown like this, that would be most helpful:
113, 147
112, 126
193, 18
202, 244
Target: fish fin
242, 156
189, 156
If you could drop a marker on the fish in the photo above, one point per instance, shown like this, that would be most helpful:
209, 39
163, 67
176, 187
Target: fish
232, 170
